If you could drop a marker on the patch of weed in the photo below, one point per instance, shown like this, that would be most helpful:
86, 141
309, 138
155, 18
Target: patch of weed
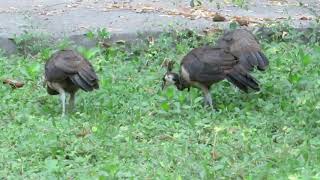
31, 43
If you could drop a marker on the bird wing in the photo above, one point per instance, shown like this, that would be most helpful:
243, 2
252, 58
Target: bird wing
245, 46
208, 65
69, 64
62, 64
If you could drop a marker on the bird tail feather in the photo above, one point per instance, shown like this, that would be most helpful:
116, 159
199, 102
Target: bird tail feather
86, 79
242, 79
250, 60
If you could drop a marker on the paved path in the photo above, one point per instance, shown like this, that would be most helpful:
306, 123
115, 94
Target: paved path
125, 18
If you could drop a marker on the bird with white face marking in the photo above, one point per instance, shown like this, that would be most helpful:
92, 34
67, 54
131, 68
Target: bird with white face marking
236, 54
67, 72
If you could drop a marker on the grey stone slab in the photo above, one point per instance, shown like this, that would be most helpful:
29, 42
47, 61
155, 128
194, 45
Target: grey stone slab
7, 46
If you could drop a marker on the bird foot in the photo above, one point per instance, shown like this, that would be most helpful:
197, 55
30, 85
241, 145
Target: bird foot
71, 109
211, 105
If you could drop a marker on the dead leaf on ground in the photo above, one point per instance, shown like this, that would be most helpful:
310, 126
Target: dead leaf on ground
104, 44
242, 21
13, 83
122, 42
167, 63
84, 132
208, 30
115, 5
218, 18
284, 34
186, 12
215, 155
281, 18
195, 3
267, 19
145, 8
166, 137
304, 18
151, 40
233, 130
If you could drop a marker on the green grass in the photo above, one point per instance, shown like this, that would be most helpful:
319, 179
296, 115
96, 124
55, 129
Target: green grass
129, 128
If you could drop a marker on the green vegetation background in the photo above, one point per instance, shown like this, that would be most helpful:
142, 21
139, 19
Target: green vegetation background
131, 129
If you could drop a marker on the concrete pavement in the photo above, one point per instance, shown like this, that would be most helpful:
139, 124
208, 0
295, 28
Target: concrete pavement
125, 18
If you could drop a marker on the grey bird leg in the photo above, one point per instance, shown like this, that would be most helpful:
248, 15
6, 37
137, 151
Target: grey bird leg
72, 101
63, 101
208, 100
207, 97
62, 95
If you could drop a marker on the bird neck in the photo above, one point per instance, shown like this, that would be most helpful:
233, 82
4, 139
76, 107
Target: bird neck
181, 84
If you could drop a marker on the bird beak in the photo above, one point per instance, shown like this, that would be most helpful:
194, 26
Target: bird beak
163, 85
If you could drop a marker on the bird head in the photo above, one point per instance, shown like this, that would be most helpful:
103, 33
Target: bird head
170, 78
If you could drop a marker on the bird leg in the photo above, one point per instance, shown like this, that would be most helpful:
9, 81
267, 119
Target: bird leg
72, 101
63, 101
62, 95
207, 97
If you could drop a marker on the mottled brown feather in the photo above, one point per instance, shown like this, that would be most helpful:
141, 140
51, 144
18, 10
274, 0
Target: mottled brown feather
243, 44
207, 65
71, 70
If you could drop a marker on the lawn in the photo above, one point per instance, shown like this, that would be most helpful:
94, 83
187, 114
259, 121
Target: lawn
129, 128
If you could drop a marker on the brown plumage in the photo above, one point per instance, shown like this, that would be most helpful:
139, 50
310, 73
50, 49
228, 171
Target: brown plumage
243, 44
67, 72
234, 57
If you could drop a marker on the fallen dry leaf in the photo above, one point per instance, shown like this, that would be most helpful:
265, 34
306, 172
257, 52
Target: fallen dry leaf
104, 44
195, 3
305, 18
120, 42
146, 8
167, 62
190, 13
215, 155
242, 21
13, 83
218, 18
166, 137
84, 132
281, 18
114, 5
284, 34
151, 40
208, 30
267, 19
233, 130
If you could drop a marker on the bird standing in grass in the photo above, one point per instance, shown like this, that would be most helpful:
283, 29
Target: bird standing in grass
67, 71
233, 58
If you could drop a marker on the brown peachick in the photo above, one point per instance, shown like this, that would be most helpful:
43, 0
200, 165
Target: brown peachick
235, 55
67, 72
